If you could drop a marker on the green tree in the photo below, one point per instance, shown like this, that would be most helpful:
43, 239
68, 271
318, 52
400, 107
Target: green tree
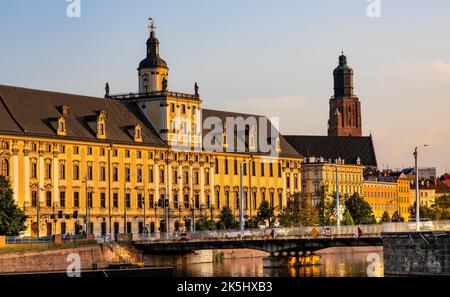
204, 224
290, 216
266, 213
396, 218
226, 219
326, 206
12, 218
252, 223
385, 217
308, 215
443, 202
347, 220
360, 210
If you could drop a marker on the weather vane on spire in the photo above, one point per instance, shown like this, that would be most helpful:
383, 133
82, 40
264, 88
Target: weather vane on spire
151, 24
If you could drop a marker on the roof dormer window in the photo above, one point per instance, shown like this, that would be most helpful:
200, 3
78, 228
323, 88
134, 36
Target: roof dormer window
61, 126
101, 125
138, 133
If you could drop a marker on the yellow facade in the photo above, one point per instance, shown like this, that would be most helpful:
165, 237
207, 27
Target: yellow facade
404, 194
316, 174
382, 197
54, 172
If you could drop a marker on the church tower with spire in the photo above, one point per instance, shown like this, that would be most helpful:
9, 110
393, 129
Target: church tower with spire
153, 71
345, 107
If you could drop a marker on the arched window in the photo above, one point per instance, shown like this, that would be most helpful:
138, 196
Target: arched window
4, 167
5, 145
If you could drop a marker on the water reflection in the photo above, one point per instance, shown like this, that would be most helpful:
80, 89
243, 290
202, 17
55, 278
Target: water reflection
332, 265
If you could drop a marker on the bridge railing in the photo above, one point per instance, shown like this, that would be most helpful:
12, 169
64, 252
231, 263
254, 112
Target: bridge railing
423, 226
261, 234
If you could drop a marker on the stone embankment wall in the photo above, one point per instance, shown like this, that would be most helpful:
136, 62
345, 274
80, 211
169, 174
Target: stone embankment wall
95, 256
417, 253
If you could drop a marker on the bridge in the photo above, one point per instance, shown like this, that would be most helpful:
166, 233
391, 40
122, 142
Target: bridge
273, 241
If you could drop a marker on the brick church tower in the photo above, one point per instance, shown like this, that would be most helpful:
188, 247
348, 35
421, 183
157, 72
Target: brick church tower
345, 108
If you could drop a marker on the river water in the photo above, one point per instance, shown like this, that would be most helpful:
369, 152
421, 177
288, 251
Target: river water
338, 263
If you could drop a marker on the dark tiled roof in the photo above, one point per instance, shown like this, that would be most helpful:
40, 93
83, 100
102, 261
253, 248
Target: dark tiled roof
442, 188
35, 113
332, 147
286, 149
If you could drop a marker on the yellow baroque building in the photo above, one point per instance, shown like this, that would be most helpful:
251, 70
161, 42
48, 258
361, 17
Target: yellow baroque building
128, 162
318, 172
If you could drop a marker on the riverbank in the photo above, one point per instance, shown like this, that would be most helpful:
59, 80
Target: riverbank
91, 256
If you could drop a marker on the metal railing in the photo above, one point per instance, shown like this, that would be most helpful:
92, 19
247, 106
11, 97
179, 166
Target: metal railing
29, 240
363, 231
423, 226
125, 96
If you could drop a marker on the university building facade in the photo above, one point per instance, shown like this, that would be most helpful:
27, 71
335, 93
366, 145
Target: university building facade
130, 161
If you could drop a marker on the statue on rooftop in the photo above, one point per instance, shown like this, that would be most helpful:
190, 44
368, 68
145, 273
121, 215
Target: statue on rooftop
107, 90
196, 90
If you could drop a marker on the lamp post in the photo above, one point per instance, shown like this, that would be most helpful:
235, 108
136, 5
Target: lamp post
338, 210
416, 171
241, 196
38, 212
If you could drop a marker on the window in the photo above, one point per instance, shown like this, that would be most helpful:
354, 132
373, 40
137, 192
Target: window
127, 153
76, 199
253, 168
102, 200
62, 171
271, 169
90, 173
33, 170
279, 169
128, 200
33, 198
183, 108
127, 174
218, 200
115, 173
254, 200
76, 150
175, 201
216, 166
262, 168
139, 175
152, 201
272, 200
115, 153
208, 201
115, 200
102, 151
226, 166
90, 200
246, 200
62, 149
197, 201
150, 175
48, 199
140, 201
161, 176
139, 154
207, 178
186, 177
235, 167
172, 107
102, 172
280, 200
196, 178
62, 199
48, 170
227, 198
89, 151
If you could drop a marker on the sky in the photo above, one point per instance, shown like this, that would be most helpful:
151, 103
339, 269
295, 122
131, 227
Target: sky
271, 57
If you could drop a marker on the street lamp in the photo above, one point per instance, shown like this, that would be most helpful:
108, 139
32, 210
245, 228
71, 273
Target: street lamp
416, 171
338, 210
38, 212
241, 196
